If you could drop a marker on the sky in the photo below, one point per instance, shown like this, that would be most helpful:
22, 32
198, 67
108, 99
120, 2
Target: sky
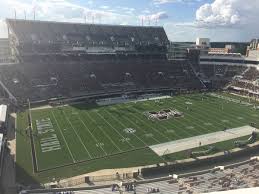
183, 20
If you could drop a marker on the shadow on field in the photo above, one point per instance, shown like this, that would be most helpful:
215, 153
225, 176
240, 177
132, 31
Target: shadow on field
11, 129
25, 179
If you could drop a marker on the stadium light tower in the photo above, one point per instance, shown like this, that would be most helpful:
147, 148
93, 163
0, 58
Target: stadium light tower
85, 19
156, 21
34, 14
24, 14
93, 19
15, 14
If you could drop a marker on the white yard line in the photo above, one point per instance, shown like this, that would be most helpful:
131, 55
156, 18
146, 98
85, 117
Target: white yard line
200, 117
146, 123
231, 99
114, 118
90, 133
77, 135
206, 139
141, 129
104, 133
114, 129
171, 123
63, 137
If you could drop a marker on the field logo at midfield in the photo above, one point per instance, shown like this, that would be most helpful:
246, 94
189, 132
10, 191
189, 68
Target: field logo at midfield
125, 139
129, 130
50, 140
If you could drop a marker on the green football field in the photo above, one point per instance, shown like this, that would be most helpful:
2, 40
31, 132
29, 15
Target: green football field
83, 134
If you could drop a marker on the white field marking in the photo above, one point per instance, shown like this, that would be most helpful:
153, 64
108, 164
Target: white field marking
233, 114
189, 127
200, 120
129, 130
133, 115
104, 133
207, 139
150, 125
77, 135
63, 136
100, 144
208, 124
125, 126
142, 128
176, 120
149, 135
125, 139
225, 121
198, 117
114, 128
91, 133
230, 99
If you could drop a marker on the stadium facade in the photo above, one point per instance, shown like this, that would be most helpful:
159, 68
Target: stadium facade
95, 59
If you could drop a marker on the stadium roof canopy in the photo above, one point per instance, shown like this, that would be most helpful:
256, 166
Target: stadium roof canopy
30, 31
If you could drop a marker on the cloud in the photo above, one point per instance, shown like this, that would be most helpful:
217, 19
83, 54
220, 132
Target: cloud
64, 10
104, 7
221, 20
158, 2
155, 17
189, 32
228, 13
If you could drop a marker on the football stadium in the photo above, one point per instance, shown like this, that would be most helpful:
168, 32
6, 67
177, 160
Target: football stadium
94, 108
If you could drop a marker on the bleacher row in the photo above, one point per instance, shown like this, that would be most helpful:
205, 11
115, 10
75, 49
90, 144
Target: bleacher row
245, 175
243, 77
248, 81
47, 80
251, 74
246, 86
221, 71
219, 76
49, 67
